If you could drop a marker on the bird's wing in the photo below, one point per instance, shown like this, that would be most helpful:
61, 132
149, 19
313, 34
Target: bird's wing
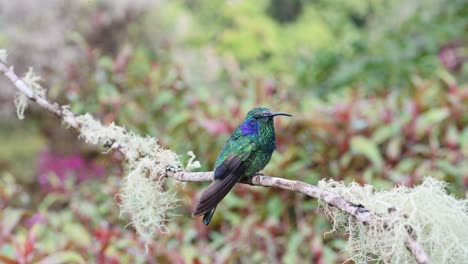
226, 175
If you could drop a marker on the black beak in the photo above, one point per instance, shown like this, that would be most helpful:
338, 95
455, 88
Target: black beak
276, 114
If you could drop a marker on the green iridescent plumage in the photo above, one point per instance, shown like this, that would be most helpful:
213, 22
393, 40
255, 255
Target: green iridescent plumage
247, 151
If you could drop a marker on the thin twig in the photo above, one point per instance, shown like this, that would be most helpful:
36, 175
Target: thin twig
357, 211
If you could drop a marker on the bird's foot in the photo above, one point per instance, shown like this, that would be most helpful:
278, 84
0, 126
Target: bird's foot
246, 180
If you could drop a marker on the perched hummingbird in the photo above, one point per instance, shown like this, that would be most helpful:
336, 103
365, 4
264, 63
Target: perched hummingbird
246, 152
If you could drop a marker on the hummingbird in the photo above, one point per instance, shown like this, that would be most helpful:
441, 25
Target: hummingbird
246, 152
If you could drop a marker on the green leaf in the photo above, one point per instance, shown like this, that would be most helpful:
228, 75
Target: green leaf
217, 240
452, 134
384, 132
464, 141
107, 92
164, 97
368, 148
189, 253
230, 217
105, 62
51, 199
10, 217
78, 234
275, 207
345, 160
62, 257
235, 201
292, 250
448, 168
381, 184
329, 255
430, 118
393, 150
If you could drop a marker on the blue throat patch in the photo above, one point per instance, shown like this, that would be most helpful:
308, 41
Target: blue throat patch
250, 128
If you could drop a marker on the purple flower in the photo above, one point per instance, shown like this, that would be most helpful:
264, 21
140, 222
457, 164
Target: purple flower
35, 219
62, 167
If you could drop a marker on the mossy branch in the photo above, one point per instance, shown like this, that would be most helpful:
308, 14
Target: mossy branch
357, 211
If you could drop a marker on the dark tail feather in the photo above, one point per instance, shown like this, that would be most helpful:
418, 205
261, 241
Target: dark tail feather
226, 176
207, 216
214, 194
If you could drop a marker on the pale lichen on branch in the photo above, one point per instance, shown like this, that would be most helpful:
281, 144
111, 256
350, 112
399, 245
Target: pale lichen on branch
143, 196
3, 55
21, 100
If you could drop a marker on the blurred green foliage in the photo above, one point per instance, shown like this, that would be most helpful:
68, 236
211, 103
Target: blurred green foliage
372, 97
333, 45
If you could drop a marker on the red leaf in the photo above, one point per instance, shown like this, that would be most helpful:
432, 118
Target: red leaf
29, 243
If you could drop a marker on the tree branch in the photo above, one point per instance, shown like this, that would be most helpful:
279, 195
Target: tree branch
61, 111
357, 211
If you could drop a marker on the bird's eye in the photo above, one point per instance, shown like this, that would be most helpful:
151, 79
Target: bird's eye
256, 116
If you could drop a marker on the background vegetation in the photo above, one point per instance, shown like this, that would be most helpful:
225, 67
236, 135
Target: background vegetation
378, 91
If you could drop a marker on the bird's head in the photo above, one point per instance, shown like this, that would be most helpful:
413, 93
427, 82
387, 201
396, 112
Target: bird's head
259, 118
262, 113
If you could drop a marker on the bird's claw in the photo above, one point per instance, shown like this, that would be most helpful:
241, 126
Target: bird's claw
246, 180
